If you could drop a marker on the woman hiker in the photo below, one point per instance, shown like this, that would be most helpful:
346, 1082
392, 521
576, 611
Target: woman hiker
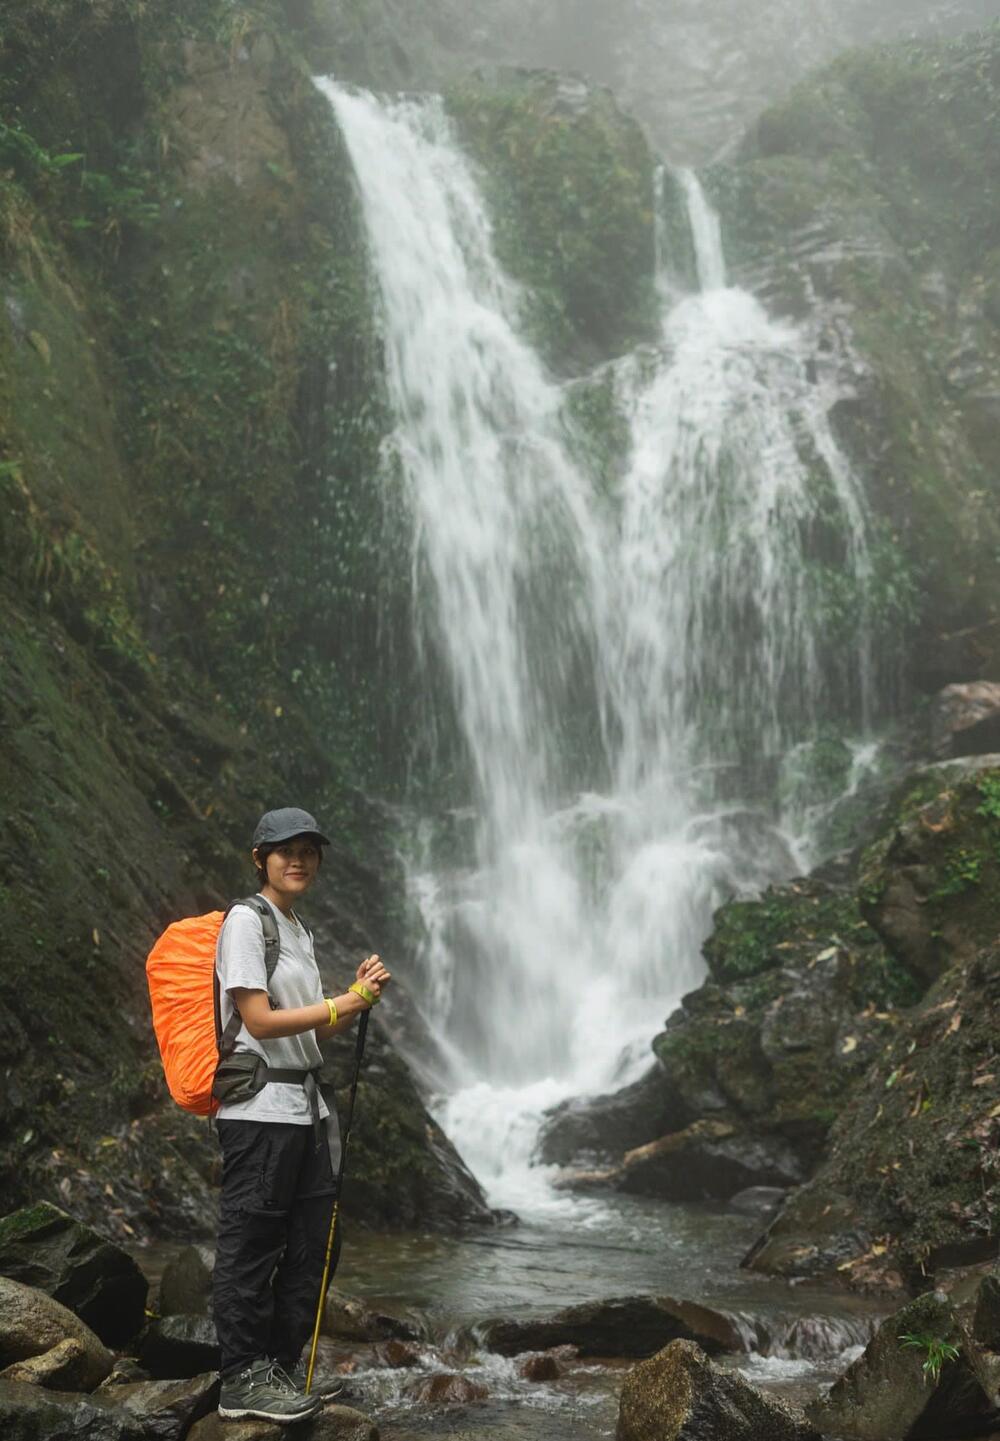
278, 1178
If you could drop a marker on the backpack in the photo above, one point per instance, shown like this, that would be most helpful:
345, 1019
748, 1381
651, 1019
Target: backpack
187, 1006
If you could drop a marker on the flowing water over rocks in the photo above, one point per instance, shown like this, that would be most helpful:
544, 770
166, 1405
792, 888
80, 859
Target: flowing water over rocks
631, 674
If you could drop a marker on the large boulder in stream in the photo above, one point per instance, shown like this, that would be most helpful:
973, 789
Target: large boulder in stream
678, 1395
625, 1326
914, 1379
42, 1246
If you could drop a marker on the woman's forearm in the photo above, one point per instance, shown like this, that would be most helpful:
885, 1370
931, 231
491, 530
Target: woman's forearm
267, 1025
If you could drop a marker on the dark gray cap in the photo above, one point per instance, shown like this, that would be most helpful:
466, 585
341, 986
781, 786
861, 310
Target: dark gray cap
282, 825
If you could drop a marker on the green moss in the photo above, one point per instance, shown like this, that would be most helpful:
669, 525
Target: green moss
571, 189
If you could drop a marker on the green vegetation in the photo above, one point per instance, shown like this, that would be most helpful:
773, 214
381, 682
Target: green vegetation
936, 1351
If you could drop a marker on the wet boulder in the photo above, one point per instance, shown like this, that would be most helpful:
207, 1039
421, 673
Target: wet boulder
334, 1423
397, 1355
63, 1368
678, 1395
543, 1366
186, 1284
599, 1128
348, 1319
42, 1246
709, 1158
624, 1326
912, 1380
33, 1324
448, 1389
167, 1409
179, 1346
28, 1413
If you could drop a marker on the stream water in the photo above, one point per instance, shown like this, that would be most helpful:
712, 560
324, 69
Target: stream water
638, 665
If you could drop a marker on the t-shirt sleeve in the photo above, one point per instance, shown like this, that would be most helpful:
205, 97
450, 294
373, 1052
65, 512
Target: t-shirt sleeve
241, 952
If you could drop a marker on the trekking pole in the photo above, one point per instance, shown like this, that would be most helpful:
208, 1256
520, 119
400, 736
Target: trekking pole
324, 1284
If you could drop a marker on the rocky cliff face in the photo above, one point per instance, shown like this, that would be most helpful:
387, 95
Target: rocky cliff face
189, 426
868, 202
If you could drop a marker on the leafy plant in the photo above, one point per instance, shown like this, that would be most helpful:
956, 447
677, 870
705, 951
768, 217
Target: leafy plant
989, 789
936, 1351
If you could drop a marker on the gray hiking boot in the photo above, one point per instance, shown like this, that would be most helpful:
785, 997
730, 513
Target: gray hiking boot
265, 1391
323, 1387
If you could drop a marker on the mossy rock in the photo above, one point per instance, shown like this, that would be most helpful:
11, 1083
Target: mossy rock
570, 181
930, 882
908, 1184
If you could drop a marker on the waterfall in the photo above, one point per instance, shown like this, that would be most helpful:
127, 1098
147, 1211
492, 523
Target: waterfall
674, 631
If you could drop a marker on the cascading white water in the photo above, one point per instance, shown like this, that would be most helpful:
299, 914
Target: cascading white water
680, 626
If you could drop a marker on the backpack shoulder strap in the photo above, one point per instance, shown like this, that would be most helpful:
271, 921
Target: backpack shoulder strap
226, 1039
272, 940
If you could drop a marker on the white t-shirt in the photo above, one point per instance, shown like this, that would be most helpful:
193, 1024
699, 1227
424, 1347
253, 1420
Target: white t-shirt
239, 963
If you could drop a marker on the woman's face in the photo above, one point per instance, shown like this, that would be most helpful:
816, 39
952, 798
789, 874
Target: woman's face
292, 866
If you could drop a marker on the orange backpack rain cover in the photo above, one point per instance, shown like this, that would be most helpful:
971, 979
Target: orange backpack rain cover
180, 970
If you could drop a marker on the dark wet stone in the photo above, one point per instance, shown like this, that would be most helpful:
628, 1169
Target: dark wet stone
709, 1159
986, 1320
678, 1395
758, 1200
590, 1128
42, 1246
626, 1326
349, 1319
543, 1367
167, 1409
28, 1413
186, 1285
886, 1395
180, 1346
334, 1423
448, 1389
397, 1354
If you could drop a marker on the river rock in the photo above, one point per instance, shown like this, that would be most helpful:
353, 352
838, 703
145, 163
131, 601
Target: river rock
542, 1367
397, 1355
965, 720
186, 1284
448, 1389
42, 1246
627, 1326
65, 1367
587, 1129
678, 1395
334, 1423
32, 1324
709, 1158
180, 1346
167, 1409
348, 1319
28, 1413
886, 1395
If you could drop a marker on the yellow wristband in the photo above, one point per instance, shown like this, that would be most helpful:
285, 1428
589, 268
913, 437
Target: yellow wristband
360, 989
332, 1009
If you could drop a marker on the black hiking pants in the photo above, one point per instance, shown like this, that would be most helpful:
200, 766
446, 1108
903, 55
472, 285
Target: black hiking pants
274, 1219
